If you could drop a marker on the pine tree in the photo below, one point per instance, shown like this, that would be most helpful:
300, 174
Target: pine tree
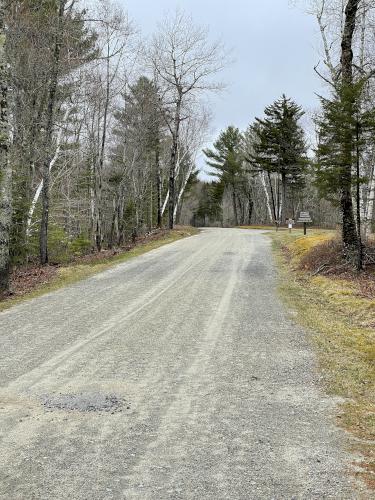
227, 160
344, 129
280, 148
210, 203
47, 42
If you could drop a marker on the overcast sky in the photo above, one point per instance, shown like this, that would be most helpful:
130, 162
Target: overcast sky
273, 43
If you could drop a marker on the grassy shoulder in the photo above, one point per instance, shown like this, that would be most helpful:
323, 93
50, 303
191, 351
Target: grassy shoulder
341, 318
85, 267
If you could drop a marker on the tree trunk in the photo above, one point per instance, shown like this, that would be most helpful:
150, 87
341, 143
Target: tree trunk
121, 225
164, 206
40, 185
283, 199
43, 241
172, 182
5, 169
279, 200
240, 211
370, 201
181, 193
173, 163
176, 173
272, 198
100, 165
358, 200
158, 184
250, 209
349, 234
263, 181
114, 224
234, 202
151, 211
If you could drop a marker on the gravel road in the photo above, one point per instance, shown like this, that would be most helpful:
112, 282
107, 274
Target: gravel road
177, 375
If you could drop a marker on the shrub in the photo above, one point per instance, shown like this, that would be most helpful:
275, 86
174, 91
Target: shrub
80, 245
58, 244
325, 258
330, 257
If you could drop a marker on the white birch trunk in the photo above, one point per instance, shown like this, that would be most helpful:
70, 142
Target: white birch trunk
181, 193
369, 208
165, 203
51, 165
178, 166
268, 202
280, 208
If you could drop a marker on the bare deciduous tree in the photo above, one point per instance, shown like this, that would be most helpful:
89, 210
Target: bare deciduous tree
185, 63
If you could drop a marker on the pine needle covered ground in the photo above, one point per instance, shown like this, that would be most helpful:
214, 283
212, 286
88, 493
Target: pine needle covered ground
339, 308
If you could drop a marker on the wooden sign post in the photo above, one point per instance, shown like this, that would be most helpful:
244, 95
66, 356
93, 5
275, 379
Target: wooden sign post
304, 218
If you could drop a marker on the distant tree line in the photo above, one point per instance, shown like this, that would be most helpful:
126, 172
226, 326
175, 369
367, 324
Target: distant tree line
263, 170
272, 170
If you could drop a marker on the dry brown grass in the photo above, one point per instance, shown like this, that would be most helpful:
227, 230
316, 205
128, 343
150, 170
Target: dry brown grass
339, 309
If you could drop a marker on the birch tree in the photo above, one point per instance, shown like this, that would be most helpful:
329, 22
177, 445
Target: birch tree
193, 137
47, 44
185, 63
114, 31
48, 144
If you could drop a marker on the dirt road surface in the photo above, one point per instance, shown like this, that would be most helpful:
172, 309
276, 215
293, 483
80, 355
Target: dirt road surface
177, 375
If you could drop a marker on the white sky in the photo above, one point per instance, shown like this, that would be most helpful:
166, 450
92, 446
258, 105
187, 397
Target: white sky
273, 43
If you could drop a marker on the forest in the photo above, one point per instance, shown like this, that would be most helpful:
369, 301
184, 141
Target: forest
101, 130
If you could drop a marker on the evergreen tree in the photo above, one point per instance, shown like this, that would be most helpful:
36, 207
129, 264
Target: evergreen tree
280, 147
227, 160
47, 42
210, 203
344, 130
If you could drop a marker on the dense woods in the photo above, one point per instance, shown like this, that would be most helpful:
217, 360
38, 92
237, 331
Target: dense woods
100, 131
99, 128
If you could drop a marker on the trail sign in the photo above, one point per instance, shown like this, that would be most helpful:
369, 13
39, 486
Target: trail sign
304, 218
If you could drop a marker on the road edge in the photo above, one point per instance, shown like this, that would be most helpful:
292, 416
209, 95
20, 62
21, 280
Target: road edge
76, 272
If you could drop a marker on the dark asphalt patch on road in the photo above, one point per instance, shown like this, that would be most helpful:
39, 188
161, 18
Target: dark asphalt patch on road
84, 402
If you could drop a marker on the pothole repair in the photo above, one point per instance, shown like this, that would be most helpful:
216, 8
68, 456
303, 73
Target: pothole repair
84, 402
